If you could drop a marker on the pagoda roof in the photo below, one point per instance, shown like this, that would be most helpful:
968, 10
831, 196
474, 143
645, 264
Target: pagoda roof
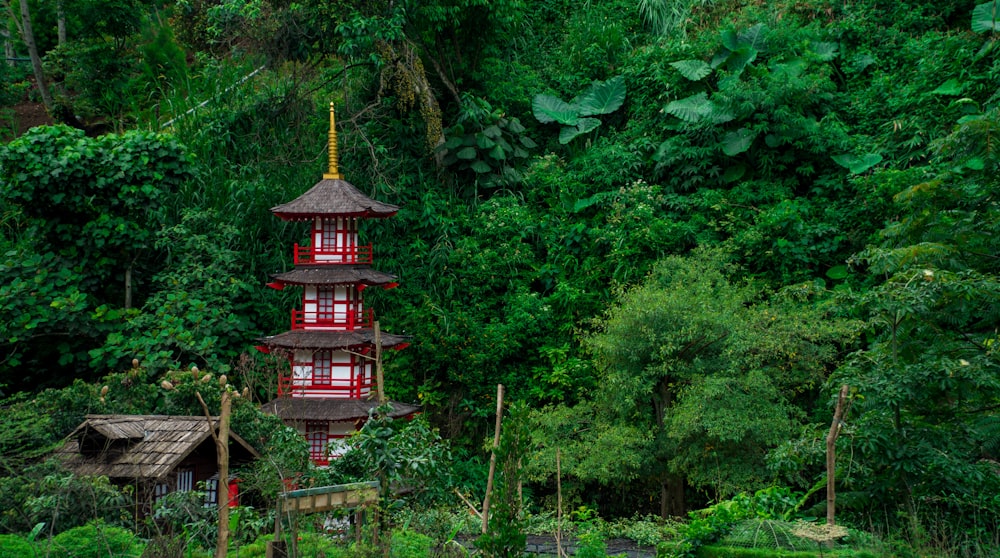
301, 408
334, 274
331, 339
333, 197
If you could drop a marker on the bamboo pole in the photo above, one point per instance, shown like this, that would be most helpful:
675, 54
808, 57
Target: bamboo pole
493, 458
831, 456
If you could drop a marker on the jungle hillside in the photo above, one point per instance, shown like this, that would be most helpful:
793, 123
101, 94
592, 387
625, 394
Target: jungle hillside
673, 230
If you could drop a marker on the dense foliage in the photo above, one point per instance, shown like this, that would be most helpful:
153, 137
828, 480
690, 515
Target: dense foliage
672, 228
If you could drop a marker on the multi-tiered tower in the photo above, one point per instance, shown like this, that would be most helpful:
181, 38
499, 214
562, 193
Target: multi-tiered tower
332, 342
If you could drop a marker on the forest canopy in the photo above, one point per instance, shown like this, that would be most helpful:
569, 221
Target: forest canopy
672, 229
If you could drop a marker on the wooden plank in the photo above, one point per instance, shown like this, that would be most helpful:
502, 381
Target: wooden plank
326, 498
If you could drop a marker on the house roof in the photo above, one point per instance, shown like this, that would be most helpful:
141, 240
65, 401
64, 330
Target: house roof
333, 197
331, 339
138, 446
336, 410
338, 274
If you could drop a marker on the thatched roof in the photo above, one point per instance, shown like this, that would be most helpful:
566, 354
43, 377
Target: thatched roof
331, 339
330, 197
139, 446
334, 275
336, 410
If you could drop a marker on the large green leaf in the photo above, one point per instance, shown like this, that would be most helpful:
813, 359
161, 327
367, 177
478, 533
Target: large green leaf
737, 142
826, 51
741, 58
694, 70
547, 108
603, 97
858, 164
986, 17
950, 87
690, 109
481, 167
754, 37
585, 125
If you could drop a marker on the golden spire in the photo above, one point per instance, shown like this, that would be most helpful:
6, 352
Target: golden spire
334, 174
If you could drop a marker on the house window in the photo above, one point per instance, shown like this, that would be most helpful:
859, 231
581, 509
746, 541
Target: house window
185, 480
322, 368
318, 435
159, 491
212, 491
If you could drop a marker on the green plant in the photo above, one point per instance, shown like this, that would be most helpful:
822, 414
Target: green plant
487, 142
97, 540
602, 97
505, 533
409, 544
15, 546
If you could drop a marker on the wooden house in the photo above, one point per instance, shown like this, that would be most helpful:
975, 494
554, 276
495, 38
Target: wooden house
156, 454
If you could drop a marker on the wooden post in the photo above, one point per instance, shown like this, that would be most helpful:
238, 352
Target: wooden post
222, 451
493, 458
378, 365
559, 548
831, 455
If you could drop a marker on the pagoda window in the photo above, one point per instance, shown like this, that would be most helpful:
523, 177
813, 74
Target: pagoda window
318, 436
325, 305
336, 239
322, 368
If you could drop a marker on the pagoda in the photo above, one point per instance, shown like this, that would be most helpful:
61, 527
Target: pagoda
327, 393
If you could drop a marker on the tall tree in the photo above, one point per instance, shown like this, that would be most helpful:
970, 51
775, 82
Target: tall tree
88, 210
22, 20
709, 372
928, 385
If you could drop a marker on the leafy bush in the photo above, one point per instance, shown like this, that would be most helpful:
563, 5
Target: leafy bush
13, 546
96, 540
410, 544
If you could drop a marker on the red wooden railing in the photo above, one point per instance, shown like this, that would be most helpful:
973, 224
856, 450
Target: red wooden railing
287, 387
353, 320
344, 255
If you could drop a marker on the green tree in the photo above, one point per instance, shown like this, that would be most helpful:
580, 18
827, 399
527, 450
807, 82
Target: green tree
81, 245
925, 422
704, 373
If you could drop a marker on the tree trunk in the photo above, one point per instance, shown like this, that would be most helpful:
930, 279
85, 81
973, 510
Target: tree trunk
493, 459
831, 456
8, 46
672, 497
61, 21
36, 60
222, 451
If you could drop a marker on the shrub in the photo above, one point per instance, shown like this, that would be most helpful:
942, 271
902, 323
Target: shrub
13, 546
96, 540
410, 544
